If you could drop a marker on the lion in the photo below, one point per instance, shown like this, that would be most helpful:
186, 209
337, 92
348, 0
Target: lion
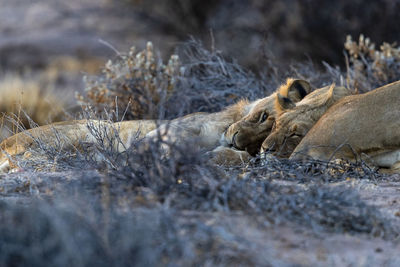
248, 133
365, 125
295, 120
235, 134
205, 129
72, 135
241, 127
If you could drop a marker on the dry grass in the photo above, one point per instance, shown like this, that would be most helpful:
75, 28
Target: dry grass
23, 97
140, 86
368, 66
137, 83
147, 209
43, 96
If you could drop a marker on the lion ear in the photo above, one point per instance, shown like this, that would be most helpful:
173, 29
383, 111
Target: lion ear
330, 93
297, 89
290, 93
283, 103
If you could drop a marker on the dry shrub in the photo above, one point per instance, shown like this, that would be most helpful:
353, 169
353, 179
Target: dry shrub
137, 83
84, 233
213, 81
370, 67
281, 192
367, 67
140, 86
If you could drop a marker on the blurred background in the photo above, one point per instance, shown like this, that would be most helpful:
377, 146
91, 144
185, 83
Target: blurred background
46, 46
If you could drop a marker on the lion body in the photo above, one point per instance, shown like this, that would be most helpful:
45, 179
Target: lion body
366, 125
72, 135
203, 128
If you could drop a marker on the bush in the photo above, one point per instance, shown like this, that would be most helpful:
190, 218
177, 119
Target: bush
136, 84
140, 86
369, 67
293, 30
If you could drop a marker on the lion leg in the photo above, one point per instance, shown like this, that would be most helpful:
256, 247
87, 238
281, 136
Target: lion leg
394, 169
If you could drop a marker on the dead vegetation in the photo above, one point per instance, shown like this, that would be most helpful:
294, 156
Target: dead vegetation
370, 67
41, 96
139, 82
180, 210
28, 97
141, 86
106, 208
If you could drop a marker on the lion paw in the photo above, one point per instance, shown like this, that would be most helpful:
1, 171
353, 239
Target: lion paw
229, 157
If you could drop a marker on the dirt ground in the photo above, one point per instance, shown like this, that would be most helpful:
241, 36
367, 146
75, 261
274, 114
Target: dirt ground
270, 244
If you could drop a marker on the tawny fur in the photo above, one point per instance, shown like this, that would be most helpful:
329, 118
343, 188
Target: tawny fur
293, 124
288, 91
71, 135
249, 132
366, 125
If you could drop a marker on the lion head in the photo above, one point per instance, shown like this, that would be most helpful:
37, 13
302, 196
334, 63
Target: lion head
249, 132
295, 120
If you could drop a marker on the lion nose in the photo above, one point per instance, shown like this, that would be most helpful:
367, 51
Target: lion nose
234, 140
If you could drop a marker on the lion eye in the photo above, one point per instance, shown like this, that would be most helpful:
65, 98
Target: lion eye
264, 116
